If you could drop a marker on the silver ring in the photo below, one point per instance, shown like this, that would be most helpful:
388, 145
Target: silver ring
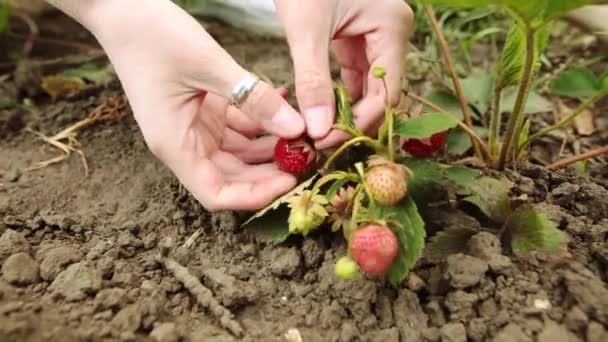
241, 91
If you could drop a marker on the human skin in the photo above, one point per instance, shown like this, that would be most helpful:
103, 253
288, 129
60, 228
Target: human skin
178, 81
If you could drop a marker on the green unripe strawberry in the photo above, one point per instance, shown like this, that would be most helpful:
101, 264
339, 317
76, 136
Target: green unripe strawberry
346, 268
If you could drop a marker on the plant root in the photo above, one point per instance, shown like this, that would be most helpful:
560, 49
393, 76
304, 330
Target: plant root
110, 109
203, 295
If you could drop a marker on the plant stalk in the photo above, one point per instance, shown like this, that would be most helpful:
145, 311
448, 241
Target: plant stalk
362, 139
565, 121
495, 119
522, 96
584, 156
445, 50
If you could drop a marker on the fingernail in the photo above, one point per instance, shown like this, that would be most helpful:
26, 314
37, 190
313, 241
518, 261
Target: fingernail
287, 122
318, 121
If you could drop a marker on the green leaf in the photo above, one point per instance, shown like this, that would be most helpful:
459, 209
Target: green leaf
450, 241
90, 72
272, 227
281, 200
491, 196
4, 17
426, 183
411, 234
534, 104
334, 188
458, 141
512, 61
478, 90
446, 101
425, 125
531, 230
461, 175
577, 81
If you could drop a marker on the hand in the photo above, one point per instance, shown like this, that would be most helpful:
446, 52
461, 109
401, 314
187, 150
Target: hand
178, 81
362, 34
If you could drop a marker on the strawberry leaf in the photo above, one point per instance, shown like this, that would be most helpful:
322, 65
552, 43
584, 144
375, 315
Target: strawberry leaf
411, 234
272, 227
531, 230
425, 126
281, 200
577, 82
491, 196
450, 241
459, 141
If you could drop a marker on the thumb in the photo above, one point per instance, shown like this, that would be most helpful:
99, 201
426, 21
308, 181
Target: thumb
314, 90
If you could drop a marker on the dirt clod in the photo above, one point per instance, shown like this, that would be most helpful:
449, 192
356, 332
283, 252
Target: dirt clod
12, 242
77, 281
56, 260
484, 246
229, 290
511, 333
165, 332
453, 332
464, 271
20, 269
313, 252
284, 261
114, 298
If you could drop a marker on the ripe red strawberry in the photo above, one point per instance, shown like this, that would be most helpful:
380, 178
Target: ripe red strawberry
425, 147
374, 247
387, 181
295, 156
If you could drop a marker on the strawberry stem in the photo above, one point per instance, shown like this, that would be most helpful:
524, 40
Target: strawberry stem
340, 175
361, 171
362, 139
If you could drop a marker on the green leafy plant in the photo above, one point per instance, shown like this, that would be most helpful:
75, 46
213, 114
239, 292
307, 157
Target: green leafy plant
510, 87
379, 201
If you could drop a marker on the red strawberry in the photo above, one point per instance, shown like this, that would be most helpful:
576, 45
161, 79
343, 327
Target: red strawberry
425, 147
295, 156
374, 247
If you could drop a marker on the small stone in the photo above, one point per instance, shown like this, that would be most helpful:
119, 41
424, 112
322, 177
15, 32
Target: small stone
414, 282
384, 335
284, 261
313, 252
56, 260
148, 286
349, 332
477, 329
576, 319
453, 332
484, 246
165, 332
553, 333
500, 264
596, 333
511, 333
464, 271
12, 242
431, 334
113, 298
20, 269
77, 281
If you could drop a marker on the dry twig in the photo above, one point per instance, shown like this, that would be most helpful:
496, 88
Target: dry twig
584, 156
109, 110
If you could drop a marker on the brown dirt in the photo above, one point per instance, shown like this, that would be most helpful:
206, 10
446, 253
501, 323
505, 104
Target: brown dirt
80, 256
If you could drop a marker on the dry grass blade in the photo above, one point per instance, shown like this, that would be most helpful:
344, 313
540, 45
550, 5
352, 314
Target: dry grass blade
66, 141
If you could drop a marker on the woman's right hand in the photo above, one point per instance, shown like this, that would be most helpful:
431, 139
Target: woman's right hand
178, 81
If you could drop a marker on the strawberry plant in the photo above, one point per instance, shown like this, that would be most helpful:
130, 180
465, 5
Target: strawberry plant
379, 200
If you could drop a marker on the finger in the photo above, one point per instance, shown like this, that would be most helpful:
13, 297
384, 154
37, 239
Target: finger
310, 53
366, 113
241, 123
349, 53
386, 48
266, 106
249, 150
256, 173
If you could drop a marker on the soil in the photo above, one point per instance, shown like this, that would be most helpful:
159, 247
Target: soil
85, 258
